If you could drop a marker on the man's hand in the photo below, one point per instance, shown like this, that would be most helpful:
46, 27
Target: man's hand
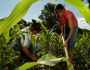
34, 58
27, 52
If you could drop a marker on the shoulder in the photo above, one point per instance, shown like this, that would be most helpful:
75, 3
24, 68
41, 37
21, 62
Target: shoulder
25, 32
67, 12
25, 29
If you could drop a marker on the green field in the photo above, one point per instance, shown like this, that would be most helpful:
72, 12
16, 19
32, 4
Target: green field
51, 56
51, 43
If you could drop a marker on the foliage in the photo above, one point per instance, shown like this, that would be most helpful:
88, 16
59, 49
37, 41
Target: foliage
50, 41
47, 59
6, 52
17, 14
56, 28
48, 16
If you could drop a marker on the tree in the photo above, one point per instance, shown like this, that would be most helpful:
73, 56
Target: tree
48, 16
22, 21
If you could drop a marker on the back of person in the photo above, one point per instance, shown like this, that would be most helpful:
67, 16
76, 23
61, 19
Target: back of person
17, 44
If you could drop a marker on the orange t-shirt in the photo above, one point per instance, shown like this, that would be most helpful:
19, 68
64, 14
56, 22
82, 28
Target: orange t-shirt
67, 14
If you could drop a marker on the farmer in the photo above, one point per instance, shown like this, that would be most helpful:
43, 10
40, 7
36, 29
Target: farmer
67, 19
26, 44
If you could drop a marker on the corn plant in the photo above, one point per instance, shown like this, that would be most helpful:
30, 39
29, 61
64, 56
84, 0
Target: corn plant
16, 15
49, 40
82, 48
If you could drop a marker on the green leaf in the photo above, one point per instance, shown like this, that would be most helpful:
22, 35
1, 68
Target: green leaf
84, 36
16, 15
49, 59
28, 65
44, 28
17, 68
6, 35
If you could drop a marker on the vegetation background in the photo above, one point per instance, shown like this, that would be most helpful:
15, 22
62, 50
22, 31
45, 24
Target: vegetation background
50, 43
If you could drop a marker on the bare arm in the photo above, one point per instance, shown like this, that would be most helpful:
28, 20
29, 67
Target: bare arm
70, 23
26, 51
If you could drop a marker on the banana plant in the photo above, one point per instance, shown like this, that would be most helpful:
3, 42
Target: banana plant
46, 59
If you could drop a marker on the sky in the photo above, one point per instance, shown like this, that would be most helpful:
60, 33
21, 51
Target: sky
6, 7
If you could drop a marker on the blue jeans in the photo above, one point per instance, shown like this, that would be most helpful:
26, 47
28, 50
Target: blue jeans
72, 39
16, 46
30, 47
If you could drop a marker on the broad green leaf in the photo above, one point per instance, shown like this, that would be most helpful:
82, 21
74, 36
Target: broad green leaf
49, 59
82, 7
28, 65
16, 15
46, 59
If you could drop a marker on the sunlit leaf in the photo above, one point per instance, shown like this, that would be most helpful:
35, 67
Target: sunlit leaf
16, 15
46, 59
6, 35
49, 59
28, 65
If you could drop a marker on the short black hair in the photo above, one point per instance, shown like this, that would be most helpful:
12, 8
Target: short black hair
36, 25
58, 6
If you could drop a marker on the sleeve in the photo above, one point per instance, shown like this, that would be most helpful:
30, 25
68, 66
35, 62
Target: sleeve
24, 42
68, 14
